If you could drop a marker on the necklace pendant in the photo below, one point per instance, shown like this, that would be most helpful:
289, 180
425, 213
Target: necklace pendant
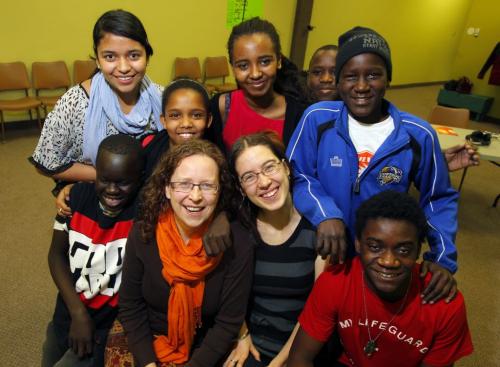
370, 348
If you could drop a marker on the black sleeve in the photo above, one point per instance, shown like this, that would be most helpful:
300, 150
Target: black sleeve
214, 132
80, 194
154, 150
233, 301
133, 313
293, 113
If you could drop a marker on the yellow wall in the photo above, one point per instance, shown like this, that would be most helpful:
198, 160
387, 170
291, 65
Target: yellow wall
473, 51
427, 37
423, 34
61, 29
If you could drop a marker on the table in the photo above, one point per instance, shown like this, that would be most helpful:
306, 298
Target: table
488, 153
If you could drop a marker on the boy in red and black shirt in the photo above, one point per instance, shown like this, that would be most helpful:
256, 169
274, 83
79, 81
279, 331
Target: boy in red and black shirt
87, 252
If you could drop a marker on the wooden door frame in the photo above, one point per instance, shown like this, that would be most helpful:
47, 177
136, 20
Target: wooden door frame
301, 28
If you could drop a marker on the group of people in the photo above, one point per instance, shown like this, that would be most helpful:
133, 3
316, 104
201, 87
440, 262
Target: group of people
191, 230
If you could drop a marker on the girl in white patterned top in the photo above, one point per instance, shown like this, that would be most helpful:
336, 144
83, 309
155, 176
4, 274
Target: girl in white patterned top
119, 98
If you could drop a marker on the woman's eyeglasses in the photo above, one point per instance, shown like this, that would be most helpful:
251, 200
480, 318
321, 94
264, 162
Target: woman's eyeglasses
267, 170
186, 187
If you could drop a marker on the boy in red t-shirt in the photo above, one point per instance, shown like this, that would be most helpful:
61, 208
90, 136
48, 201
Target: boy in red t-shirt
373, 302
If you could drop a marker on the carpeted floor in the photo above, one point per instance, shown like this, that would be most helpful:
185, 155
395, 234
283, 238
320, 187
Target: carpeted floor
27, 209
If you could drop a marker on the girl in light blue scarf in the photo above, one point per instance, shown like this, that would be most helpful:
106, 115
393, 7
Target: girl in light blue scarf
122, 50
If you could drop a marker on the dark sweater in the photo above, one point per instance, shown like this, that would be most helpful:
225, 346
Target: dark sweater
293, 113
154, 146
144, 299
283, 279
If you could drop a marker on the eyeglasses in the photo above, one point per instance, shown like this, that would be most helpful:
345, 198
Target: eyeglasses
267, 170
186, 187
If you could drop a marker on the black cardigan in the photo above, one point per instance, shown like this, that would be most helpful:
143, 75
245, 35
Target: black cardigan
144, 297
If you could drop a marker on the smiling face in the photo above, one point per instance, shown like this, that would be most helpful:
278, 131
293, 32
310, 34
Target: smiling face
388, 250
255, 64
321, 75
117, 180
122, 62
269, 192
185, 116
362, 84
192, 209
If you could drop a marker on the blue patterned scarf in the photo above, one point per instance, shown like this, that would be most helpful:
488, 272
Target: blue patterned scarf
104, 106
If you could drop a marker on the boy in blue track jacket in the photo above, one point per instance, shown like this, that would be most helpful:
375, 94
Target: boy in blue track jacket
343, 153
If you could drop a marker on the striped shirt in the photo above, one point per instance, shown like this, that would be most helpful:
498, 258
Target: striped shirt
283, 278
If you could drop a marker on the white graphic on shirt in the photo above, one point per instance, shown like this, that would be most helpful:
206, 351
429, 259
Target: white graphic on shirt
391, 330
97, 265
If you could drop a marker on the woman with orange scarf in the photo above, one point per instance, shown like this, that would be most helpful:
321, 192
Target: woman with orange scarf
178, 306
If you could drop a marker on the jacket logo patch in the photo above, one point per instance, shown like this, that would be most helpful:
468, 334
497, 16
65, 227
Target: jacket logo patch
388, 175
336, 161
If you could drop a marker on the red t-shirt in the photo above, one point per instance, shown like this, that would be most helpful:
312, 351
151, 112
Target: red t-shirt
437, 334
242, 120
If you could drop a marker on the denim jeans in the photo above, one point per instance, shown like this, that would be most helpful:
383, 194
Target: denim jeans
54, 354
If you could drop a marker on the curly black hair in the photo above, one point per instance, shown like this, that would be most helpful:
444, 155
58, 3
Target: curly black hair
121, 144
323, 48
392, 205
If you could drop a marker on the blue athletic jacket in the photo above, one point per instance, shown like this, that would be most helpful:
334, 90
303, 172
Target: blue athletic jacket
325, 166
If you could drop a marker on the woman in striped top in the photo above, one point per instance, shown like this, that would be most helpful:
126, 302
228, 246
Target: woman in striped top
286, 263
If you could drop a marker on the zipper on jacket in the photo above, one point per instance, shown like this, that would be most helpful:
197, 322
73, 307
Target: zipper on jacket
349, 142
356, 185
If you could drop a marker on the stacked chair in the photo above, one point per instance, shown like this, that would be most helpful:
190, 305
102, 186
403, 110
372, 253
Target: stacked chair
83, 70
49, 76
217, 67
187, 68
14, 77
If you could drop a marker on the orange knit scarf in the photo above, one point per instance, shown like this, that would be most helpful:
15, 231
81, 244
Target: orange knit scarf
184, 268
